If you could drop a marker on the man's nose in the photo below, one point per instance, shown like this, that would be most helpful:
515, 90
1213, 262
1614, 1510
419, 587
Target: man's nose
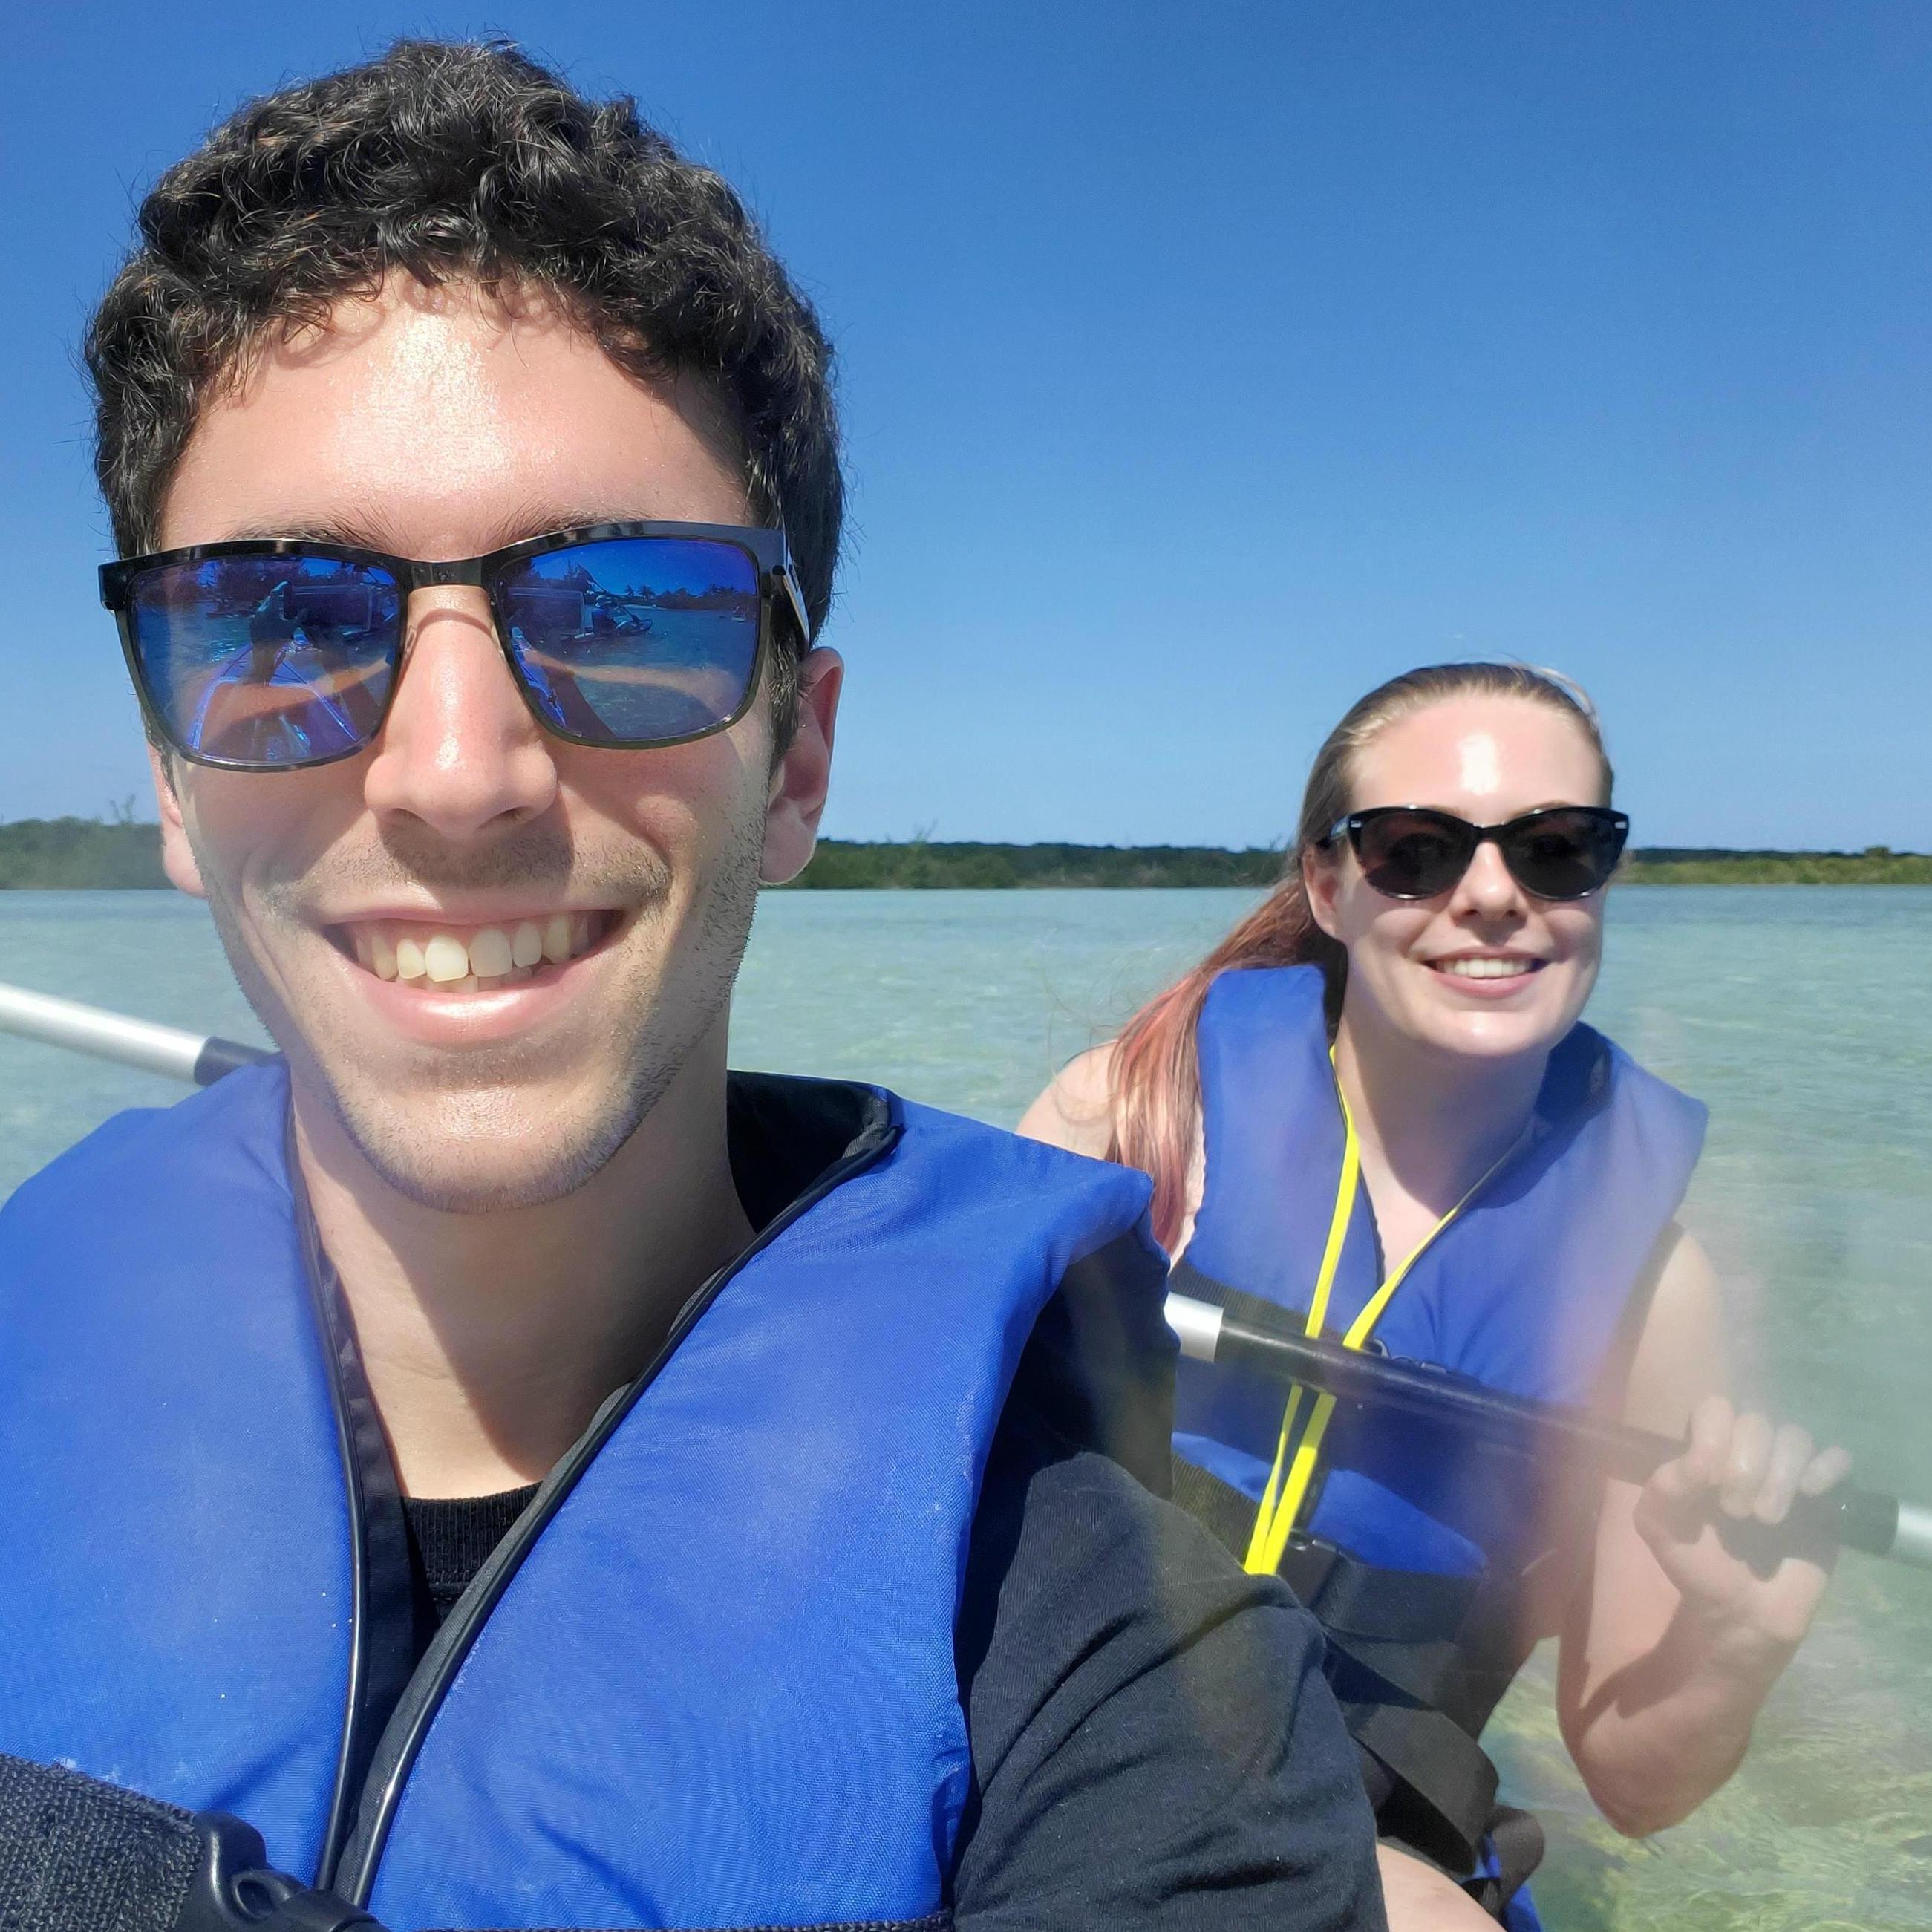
460, 750
1487, 890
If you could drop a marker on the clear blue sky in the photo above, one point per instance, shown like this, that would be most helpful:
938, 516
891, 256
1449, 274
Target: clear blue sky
1202, 366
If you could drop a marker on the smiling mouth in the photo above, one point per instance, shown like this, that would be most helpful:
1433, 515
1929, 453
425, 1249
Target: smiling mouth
440, 959
1475, 966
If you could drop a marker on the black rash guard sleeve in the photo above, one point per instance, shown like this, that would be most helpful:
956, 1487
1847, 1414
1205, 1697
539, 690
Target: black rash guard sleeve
1153, 1743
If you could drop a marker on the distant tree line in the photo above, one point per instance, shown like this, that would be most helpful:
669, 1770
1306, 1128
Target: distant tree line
82, 854
1877, 866
841, 863
79, 854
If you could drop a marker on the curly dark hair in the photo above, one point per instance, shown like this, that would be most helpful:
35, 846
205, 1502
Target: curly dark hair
460, 160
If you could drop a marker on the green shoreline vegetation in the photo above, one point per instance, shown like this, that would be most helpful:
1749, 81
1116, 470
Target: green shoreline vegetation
87, 854
920, 862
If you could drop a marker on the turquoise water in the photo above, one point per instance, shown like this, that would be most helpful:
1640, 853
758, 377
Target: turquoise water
1802, 1016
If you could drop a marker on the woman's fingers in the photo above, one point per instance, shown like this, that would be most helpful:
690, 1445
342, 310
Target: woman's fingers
1746, 1461
1709, 1450
1757, 1470
1826, 1471
1792, 1453
1674, 1495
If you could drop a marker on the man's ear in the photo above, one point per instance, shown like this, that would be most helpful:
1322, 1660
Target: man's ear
178, 858
802, 774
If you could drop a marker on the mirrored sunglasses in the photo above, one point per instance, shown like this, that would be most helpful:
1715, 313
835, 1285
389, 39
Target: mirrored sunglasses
280, 654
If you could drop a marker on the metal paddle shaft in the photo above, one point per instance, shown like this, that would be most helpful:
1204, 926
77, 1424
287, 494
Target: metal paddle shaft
178, 1055
1861, 1519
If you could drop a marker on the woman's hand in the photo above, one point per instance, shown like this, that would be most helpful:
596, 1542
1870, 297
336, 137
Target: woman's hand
1702, 1586
1715, 1519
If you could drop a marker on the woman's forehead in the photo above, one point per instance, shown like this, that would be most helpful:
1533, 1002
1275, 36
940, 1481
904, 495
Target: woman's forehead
1495, 755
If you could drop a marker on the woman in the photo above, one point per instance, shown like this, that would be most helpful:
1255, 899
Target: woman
1373, 1104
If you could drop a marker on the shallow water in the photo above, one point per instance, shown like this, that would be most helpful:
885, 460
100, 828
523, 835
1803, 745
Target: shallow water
1801, 1014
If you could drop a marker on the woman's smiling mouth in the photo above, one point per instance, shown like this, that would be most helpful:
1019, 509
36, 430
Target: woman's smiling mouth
1491, 966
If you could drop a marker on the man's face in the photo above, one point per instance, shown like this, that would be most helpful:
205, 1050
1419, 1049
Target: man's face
439, 426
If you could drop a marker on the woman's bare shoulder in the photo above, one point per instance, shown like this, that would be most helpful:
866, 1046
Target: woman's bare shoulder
1076, 1110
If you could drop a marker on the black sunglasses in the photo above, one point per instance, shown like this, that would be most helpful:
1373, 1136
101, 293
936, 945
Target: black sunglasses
275, 655
1411, 852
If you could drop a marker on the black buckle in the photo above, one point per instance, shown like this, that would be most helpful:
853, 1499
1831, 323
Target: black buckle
1305, 1567
236, 1890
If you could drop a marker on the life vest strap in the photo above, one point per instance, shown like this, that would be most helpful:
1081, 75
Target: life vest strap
1417, 1662
1377, 1605
1442, 1786
1516, 1847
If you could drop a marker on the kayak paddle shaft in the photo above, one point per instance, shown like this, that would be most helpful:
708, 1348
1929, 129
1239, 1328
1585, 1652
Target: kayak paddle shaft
1864, 1520
167, 1050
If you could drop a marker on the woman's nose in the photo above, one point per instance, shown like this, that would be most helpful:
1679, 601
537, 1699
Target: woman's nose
460, 751
1487, 888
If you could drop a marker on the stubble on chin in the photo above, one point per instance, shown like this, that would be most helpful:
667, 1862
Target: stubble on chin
477, 1134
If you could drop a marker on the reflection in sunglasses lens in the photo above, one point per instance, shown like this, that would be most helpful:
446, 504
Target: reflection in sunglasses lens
635, 640
267, 660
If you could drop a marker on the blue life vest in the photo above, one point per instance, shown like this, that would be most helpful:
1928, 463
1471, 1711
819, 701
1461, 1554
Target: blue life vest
709, 1679
1415, 1549
1525, 1290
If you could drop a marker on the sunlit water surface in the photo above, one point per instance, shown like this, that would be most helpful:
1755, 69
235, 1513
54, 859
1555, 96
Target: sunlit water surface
1801, 1014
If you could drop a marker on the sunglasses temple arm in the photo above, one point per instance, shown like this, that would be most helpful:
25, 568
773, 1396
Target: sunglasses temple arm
788, 575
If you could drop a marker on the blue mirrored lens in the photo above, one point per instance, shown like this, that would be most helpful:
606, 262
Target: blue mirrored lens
636, 640
267, 661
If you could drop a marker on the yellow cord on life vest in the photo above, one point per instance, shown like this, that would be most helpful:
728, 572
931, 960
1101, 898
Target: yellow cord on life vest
1282, 1503
1257, 1561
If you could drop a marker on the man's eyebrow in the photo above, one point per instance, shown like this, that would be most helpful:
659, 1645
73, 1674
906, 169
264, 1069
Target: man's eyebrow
540, 519
347, 533
353, 532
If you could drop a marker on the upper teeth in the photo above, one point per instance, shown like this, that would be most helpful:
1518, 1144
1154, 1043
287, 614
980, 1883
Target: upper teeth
494, 955
1485, 969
